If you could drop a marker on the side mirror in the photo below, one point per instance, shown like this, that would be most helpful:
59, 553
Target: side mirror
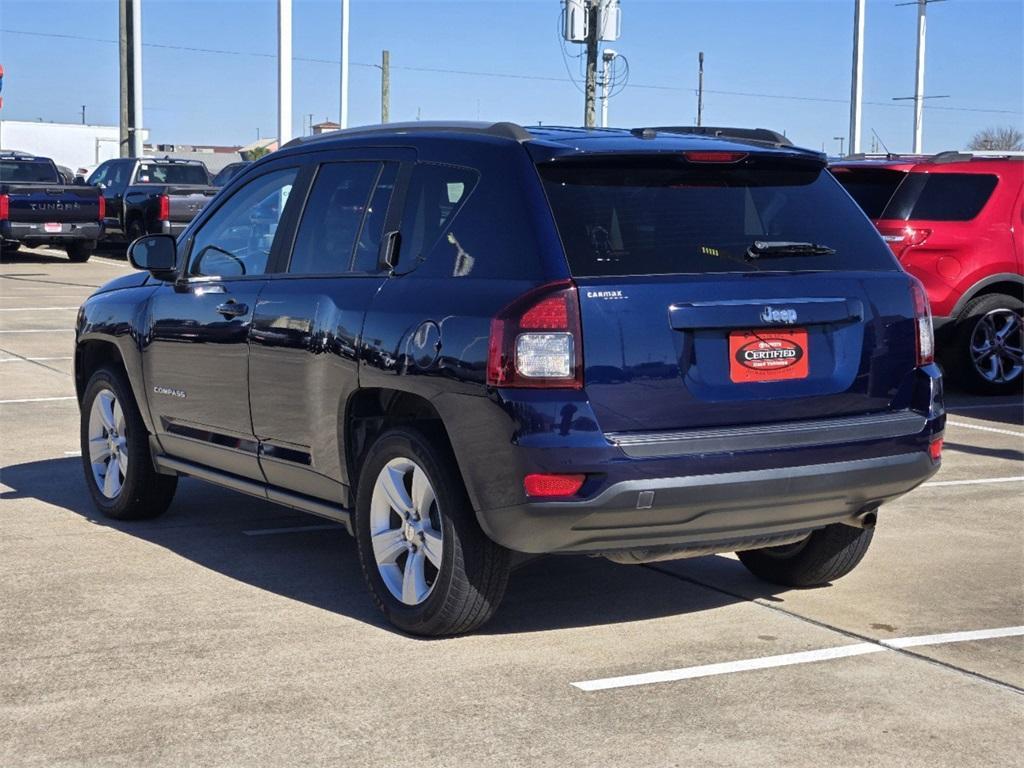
157, 254
389, 247
100, 186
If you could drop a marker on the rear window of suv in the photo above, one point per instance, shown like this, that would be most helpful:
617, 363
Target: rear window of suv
941, 196
657, 215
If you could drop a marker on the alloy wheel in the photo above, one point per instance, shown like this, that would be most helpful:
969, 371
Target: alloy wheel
108, 444
405, 531
996, 346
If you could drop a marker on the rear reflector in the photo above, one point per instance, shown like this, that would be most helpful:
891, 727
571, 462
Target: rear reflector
5, 207
935, 449
553, 485
710, 156
923, 323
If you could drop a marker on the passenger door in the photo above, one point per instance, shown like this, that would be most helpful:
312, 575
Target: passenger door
306, 331
196, 356
114, 184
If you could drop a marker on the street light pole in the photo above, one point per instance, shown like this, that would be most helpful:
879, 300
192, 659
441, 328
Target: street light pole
608, 56
284, 72
919, 76
857, 84
343, 112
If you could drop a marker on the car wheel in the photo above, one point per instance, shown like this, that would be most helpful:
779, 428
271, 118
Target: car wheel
9, 249
80, 252
824, 556
430, 568
986, 354
135, 230
115, 452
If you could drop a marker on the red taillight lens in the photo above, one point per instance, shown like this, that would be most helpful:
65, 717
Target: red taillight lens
553, 485
537, 341
714, 156
102, 207
902, 238
165, 208
923, 323
935, 449
5, 207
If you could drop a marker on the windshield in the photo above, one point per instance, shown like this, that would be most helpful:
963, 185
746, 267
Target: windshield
171, 173
657, 215
28, 171
872, 188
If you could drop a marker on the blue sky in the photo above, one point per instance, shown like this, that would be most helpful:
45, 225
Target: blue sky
783, 65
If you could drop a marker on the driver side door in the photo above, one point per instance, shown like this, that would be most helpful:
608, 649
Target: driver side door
196, 356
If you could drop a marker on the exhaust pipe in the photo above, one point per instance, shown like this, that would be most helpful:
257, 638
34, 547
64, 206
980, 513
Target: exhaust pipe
866, 518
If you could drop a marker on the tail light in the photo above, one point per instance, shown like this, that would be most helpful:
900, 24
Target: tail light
714, 156
5, 207
102, 207
552, 485
165, 208
935, 449
537, 342
902, 238
923, 323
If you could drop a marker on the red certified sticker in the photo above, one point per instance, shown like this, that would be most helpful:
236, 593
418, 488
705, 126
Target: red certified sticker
769, 355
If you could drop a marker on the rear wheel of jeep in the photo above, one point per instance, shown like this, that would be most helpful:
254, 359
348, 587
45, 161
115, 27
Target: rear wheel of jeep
824, 556
429, 566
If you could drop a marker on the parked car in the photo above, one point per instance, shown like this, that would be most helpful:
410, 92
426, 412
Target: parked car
464, 341
228, 172
954, 221
38, 208
151, 195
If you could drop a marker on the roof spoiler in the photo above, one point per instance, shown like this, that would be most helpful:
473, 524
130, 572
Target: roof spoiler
759, 135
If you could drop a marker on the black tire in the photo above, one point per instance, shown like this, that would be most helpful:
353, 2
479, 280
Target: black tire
959, 362
471, 581
135, 230
9, 249
80, 252
824, 556
144, 492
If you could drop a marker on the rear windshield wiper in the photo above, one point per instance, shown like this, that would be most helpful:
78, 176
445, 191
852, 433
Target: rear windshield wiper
760, 249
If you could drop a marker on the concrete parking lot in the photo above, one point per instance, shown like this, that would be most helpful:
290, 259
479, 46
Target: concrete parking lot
236, 632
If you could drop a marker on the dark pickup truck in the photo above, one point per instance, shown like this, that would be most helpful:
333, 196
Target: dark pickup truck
151, 195
38, 208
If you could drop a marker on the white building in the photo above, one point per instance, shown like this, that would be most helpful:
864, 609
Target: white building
70, 144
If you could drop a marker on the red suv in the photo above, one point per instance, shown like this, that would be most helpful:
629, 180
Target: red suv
956, 222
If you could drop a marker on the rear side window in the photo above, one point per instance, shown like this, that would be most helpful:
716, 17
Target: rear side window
436, 192
657, 215
171, 173
333, 217
941, 196
871, 188
28, 172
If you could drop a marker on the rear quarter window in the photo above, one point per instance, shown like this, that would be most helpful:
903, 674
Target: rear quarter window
941, 196
871, 188
651, 215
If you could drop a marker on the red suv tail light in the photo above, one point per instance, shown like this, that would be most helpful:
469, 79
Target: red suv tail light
536, 341
902, 238
923, 323
165, 208
102, 204
5, 207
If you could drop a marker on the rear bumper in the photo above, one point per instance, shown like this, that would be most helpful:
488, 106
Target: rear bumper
173, 227
34, 233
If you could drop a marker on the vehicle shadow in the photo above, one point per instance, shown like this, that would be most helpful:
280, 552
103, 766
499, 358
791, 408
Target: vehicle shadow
222, 530
28, 256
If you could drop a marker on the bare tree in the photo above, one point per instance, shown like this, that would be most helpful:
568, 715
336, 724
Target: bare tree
1002, 137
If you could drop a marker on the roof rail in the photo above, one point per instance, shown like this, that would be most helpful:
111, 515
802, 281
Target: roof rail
504, 130
17, 153
958, 156
760, 135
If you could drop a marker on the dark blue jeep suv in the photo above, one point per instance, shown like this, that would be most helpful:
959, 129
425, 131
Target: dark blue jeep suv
465, 341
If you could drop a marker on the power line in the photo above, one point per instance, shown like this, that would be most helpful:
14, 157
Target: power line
512, 75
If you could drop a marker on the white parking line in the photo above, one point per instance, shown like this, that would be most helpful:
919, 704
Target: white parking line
36, 400
38, 330
788, 659
984, 429
979, 481
981, 406
295, 529
32, 359
34, 308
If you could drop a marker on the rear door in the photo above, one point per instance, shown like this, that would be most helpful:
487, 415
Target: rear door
684, 327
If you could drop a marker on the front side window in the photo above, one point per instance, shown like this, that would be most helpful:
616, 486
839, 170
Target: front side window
237, 239
333, 217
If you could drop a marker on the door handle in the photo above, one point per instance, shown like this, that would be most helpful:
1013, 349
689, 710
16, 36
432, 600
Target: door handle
232, 308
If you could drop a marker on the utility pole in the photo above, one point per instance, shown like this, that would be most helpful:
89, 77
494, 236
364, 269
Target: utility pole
310, 123
343, 112
385, 86
284, 72
83, 114
590, 91
857, 82
700, 87
840, 140
130, 49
